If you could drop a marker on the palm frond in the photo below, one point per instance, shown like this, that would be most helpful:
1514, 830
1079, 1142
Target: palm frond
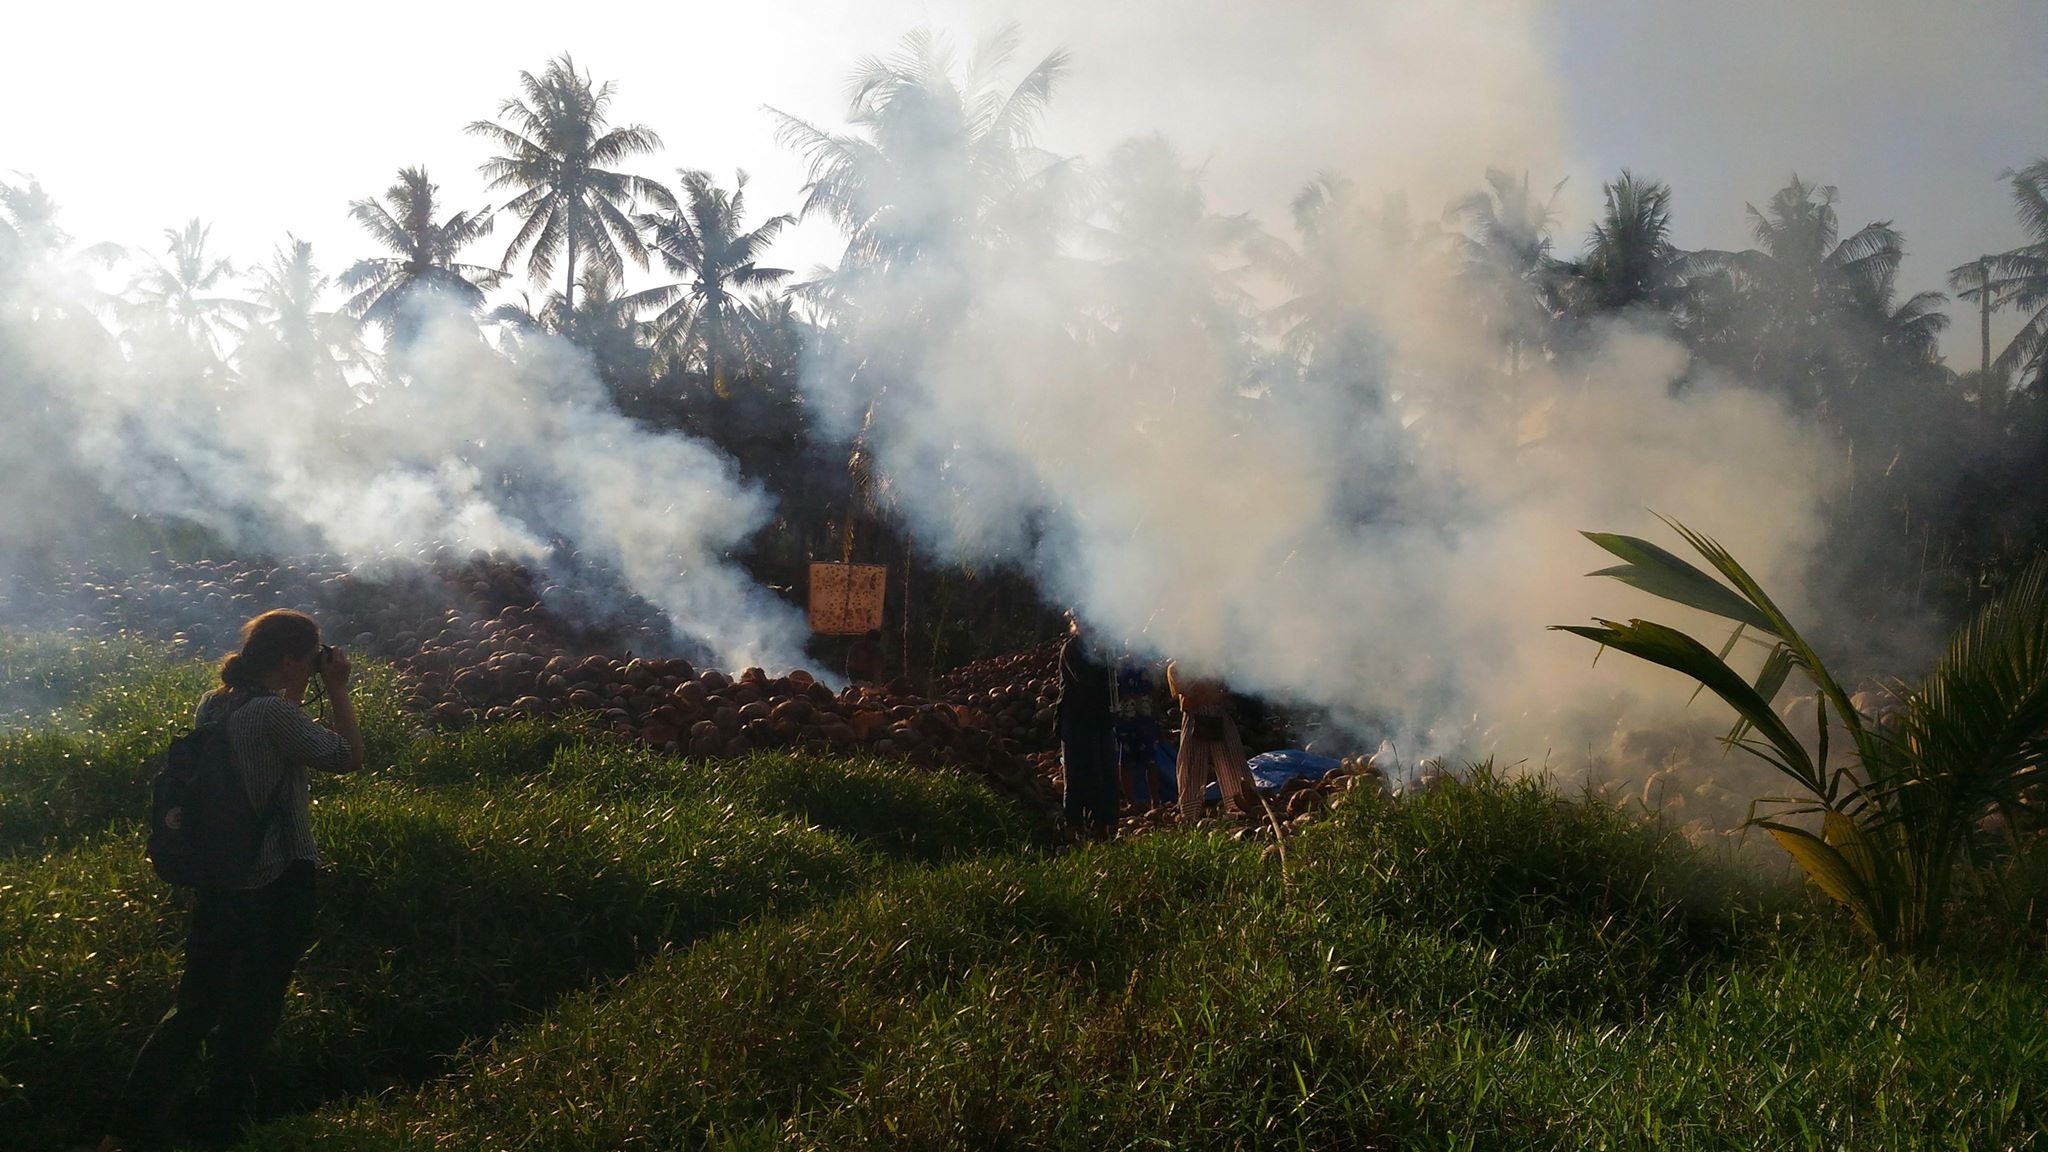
2030, 197
1016, 120
541, 219
1670, 648
1874, 252
1669, 577
2027, 350
1980, 717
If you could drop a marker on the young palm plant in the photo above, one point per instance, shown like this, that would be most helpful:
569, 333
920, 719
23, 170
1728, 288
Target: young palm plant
1900, 810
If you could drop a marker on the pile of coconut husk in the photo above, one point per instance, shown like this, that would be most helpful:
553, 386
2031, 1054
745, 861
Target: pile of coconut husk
672, 706
1016, 692
454, 611
478, 643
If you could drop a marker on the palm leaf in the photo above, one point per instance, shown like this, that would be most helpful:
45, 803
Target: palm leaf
1803, 653
1979, 719
1670, 648
1770, 679
1661, 574
1830, 871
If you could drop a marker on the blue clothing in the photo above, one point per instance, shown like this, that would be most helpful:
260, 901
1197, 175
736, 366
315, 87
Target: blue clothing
1146, 759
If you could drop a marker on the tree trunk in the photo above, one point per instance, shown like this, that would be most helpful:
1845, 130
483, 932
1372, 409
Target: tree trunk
714, 343
1984, 312
712, 339
569, 294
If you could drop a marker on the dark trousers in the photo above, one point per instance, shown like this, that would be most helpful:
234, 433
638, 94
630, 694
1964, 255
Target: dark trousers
1088, 750
1137, 747
239, 955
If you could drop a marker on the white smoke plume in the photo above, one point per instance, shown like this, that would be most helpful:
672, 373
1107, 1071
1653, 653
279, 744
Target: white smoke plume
1387, 536
465, 448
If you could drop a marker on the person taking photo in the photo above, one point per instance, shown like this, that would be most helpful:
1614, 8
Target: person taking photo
245, 937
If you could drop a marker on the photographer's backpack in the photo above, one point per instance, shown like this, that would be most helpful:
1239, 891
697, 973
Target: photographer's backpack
203, 830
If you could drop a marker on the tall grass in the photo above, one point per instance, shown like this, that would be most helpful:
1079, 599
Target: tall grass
43, 672
536, 937
471, 879
1487, 966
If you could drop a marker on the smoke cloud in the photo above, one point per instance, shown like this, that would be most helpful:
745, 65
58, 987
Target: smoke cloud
1098, 401
1089, 383
464, 448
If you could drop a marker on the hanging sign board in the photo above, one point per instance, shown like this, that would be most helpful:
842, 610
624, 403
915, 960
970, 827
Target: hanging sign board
846, 599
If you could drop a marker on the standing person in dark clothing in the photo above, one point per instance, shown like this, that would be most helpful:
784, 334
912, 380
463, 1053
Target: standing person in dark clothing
245, 939
1138, 734
1086, 720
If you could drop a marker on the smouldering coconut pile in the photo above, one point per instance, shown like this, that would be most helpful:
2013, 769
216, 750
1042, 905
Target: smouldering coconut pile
478, 642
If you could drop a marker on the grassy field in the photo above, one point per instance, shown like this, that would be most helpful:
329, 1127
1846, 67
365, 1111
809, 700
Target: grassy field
535, 938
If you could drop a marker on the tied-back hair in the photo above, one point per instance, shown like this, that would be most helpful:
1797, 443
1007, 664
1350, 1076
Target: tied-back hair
267, 641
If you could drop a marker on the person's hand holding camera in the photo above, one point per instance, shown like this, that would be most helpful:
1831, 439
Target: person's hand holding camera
334, 668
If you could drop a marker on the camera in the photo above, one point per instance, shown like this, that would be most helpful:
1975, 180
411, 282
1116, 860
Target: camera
323, 658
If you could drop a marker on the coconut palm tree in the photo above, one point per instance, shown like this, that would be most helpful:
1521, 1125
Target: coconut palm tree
777, 334
37, 273
1326, 321
292, 337
2018, 278
287, 294
389, 290
935, 165
1629, 260
1908, 332
1887, 353
1801, 259
1802, 306
29, 235
703, 239
1171, 303
763, 426
602, 321
1902, 805
1161, 242
182, 295
936, 175
1508, 255
558, 156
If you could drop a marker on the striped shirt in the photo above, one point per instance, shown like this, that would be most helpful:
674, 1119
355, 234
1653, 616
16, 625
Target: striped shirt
274, 743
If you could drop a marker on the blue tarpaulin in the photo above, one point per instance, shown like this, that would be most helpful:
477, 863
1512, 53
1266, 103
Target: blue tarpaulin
1272, 770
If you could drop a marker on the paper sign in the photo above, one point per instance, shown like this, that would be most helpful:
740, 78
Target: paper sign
846, 599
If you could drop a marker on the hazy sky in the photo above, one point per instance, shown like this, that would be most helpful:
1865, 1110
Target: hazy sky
268, 118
